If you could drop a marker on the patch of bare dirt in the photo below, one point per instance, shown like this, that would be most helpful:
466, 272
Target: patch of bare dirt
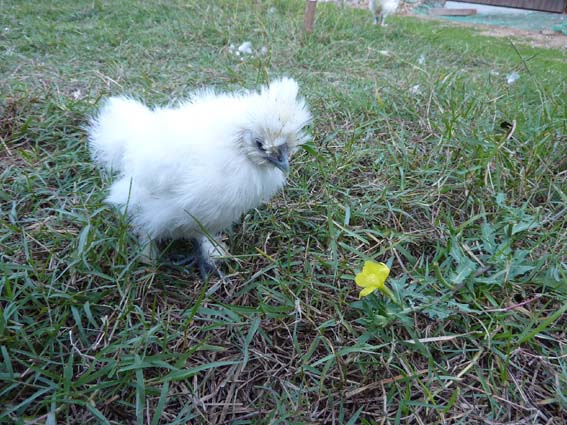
552, 40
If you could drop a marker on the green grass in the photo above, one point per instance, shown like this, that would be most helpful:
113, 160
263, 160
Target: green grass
409, 165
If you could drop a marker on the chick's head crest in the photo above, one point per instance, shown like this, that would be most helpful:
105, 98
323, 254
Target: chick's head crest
276, 122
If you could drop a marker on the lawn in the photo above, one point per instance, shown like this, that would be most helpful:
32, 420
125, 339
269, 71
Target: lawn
425, 156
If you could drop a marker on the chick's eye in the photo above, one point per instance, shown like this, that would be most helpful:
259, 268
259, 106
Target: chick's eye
259, 144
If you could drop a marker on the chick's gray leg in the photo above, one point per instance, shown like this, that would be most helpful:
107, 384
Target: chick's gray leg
206, 269
203, 257
209, 251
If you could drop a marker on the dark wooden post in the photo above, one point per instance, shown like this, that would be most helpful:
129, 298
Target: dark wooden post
310, 6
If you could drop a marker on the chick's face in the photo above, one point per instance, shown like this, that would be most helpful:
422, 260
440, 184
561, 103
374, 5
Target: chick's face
274, 124
266, 149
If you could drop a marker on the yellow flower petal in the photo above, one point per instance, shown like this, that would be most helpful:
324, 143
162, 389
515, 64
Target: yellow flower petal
366, 291
372, 274
362, 280
381, 270
373, 277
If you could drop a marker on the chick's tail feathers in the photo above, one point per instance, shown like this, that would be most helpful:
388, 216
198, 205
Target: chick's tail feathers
120, 121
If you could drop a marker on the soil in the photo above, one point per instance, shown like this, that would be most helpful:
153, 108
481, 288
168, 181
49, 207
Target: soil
551, 40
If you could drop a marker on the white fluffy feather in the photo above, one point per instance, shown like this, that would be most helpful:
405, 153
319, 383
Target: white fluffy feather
382, 8
195, 168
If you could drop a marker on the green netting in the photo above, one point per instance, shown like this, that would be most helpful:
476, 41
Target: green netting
532, 21
562, 27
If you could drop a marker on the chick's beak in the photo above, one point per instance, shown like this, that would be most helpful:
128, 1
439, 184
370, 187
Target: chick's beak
280, 158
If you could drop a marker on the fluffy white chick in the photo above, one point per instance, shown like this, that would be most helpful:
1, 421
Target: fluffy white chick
191, 170
382, 8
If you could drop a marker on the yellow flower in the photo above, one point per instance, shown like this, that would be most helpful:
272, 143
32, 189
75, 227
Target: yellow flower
372, 277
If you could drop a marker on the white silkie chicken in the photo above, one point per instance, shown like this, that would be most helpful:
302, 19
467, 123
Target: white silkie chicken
382, 8
191, 170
